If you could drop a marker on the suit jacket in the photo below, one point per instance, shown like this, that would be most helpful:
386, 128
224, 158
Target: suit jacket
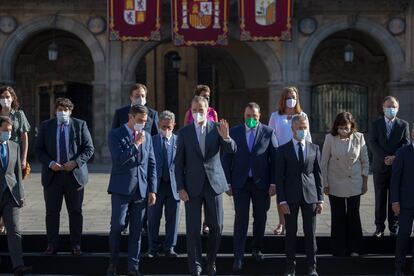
402, 179
292, 183
121, 118
12, 175
260, 159
344, 164
192, 168
158, 148
80, 149
381, 146
132, 168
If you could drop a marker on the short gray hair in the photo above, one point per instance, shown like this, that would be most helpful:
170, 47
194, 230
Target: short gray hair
299, 118
199, 99
167, 115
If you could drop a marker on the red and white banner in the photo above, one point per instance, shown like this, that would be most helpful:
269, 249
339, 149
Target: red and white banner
200, 22
134, 20
265, 19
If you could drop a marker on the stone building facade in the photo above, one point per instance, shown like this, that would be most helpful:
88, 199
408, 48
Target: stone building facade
97, 73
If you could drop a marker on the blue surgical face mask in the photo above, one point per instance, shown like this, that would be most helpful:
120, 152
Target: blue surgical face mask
300, 134
63, 117
5, 136
390, 112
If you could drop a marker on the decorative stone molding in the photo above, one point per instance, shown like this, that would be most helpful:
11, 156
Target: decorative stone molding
7, 24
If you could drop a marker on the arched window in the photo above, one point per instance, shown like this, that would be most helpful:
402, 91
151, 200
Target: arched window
330, 99
170, 83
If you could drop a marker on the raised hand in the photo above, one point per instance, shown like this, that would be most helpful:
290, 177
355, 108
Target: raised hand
223, 129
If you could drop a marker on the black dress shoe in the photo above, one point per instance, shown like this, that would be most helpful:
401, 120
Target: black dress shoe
22, 270
197, 272
289, 274
111, 271
258, 255
170, 253
50, 250
76, 251
150, 254
133, 273
393, 233
378, 233
238, 265
312, 272
211, 269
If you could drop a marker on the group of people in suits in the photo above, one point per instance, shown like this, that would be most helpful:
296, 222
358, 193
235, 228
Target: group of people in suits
154, 169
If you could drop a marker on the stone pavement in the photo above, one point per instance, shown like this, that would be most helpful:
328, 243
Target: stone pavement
97, 208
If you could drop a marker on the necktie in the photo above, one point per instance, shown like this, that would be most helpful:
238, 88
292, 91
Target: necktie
300, 154
165, 165
3, 155
202, 140
251, 139
63, 158
389, 129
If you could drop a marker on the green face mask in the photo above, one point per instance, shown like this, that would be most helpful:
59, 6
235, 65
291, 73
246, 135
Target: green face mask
251, 122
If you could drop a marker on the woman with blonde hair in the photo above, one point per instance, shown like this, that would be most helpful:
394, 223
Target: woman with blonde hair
281, 122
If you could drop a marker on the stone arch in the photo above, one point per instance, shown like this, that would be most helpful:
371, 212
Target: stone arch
19, 37
389, 44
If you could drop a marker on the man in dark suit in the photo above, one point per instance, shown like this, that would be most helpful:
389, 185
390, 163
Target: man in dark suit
201, 179
64, 146
167, 196
388, 134
402, 194
250, 171
11, 194
137, 95
132, 185
299, 186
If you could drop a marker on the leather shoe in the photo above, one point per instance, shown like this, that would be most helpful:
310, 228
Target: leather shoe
289, 274
312, 272
50, 250
197, 272
170, 253
22, 270
394, 233
76, 251
133, 273
111, 271
378, 233
238, 265
150, 254
211, 269
258, 255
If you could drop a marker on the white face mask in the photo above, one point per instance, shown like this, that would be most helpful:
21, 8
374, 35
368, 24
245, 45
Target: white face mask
139, 127
166, 133
63, 116
139, 100
291, 103
199, 117
6, 103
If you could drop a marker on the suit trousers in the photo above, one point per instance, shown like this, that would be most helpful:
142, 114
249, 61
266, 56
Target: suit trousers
11, 214
166, 200
134, 205
213, 204
261, 203
346, 229
382, 201
63, 185
405, 221
309, 225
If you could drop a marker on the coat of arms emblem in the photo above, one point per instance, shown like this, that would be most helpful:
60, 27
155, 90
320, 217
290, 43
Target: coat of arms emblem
135, 11
265, 12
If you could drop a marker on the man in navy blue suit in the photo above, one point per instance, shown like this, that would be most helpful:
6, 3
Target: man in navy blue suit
402, 194
137, 95
167, 195
64, 146
250, 172
132, 185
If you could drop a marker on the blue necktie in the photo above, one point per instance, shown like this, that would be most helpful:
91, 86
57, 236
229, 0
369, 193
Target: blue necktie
250, 145
165, 165
63, 155
3, 155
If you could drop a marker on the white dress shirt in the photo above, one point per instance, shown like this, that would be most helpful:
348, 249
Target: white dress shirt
248, 131
303, 143
200, 129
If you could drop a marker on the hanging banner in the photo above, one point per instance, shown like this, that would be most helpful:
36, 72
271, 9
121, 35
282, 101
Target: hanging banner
265, 19
200, 22
134, 20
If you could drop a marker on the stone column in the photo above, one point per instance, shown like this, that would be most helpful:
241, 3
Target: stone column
100, 129
275, 91
404, 91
